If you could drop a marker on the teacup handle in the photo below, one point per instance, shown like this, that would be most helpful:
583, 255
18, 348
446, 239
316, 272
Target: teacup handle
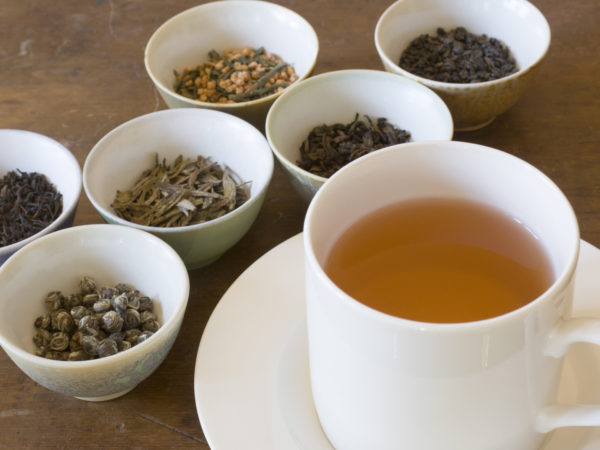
558, 416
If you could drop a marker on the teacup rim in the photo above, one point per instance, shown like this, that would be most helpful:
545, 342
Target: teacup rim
561, 282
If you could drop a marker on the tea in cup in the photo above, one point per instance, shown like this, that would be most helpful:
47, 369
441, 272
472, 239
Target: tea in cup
439, 285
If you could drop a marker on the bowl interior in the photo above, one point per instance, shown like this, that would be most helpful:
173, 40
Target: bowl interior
186, 39
108, 253
337, 96
32, 152
517, 23
120, 157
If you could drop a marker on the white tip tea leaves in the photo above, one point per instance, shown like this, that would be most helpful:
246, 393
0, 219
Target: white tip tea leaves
183, 193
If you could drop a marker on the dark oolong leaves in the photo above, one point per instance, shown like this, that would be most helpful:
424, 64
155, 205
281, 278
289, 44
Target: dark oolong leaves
458, 56
330, 147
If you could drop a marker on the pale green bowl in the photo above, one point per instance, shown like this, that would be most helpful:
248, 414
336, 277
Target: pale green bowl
110, 254
120, 157
335, 97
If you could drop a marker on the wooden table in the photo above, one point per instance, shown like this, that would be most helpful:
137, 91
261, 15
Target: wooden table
73, 70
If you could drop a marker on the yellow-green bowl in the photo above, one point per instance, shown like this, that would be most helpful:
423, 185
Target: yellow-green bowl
120, 157
109, 254
519, 24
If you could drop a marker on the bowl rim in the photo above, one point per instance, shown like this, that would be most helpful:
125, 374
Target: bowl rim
220, 4
137, 350
74, 171
252, 199
335, 74
442, 85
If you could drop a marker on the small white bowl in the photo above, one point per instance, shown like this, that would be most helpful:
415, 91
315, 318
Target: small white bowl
120, 157
110, 254
186, 39
519, 24
336, 97
32, 152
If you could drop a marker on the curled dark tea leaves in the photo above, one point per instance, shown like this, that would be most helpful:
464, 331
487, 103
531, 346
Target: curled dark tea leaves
101, 323
124, 345
458, 56
89, 344
117, 336
78, 355
54, 300
89, 322
28, 204
59, 341
145, 335
330, 147
132, 335
78, 312
145, 304
183, 193
107, 347
112, 321
75, 343
119, 302
101, 305
42, 337
87, 286
44, 321
131, 319
65, 322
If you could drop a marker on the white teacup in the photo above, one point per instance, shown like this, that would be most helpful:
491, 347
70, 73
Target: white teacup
382, 382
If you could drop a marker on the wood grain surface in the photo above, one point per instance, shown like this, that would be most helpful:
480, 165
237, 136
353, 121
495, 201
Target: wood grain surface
73, 70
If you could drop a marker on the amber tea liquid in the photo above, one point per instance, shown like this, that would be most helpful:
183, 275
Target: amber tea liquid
440, 260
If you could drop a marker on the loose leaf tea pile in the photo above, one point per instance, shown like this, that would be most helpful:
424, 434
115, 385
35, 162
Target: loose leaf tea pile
330, 147
458, 56
184, 193
94, 322
28, 204
235, 76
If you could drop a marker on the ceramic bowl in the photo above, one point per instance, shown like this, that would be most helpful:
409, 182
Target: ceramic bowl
186, 39
336, 97
32, 152
110, 254
120, 157
519, 24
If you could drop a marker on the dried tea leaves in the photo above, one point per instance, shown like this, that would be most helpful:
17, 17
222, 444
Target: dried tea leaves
458, 56
28, 204
184, 193
94, 322
235, 76
330, 147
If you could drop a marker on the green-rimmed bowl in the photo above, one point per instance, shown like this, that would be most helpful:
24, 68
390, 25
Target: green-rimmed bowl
110, 254
120, 157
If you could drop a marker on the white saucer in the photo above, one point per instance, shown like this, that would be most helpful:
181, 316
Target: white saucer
251, 380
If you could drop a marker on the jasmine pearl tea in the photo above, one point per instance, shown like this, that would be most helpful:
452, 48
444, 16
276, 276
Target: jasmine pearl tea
440, 260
